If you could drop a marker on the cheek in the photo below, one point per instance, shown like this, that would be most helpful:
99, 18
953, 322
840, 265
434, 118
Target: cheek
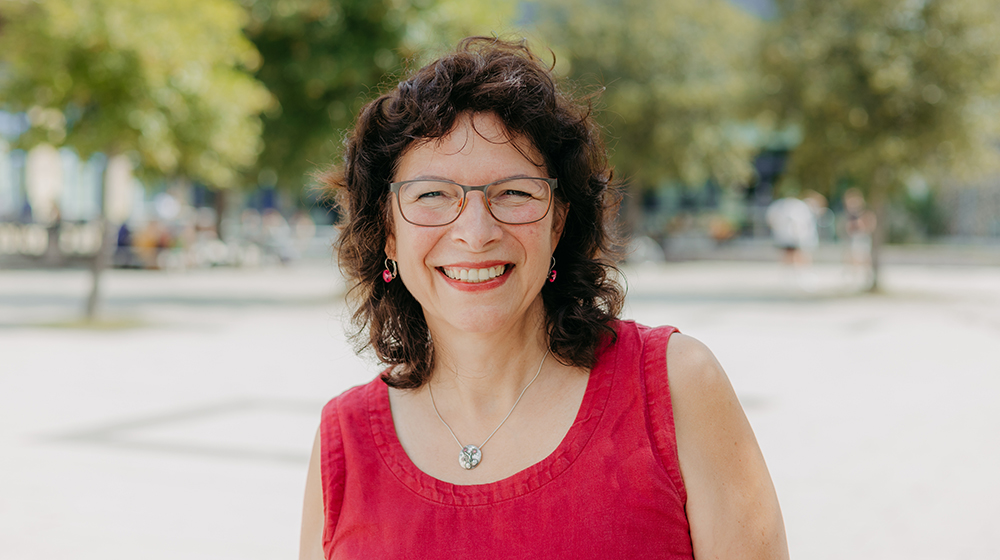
413, 246
540, 245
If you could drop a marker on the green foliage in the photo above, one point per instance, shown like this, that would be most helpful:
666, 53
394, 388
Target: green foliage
923, 218
443, 23
165, 80
322, 60
676, 74
885, 90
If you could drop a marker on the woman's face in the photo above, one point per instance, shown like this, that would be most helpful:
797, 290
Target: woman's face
431, 260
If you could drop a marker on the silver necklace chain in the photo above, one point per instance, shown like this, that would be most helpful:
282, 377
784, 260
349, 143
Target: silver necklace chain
472, 455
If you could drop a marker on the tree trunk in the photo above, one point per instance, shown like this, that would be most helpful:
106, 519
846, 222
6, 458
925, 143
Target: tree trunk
100, 261
221, 207
98, 264
879, 204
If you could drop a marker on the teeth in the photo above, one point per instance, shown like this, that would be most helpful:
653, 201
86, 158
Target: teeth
475, 275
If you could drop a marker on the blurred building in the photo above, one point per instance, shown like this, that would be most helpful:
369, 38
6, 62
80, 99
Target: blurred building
971, 210
50, 210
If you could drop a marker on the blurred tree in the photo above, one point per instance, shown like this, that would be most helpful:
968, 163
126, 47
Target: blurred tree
885, 92
164, 81
322, 59
676, 75
443, 23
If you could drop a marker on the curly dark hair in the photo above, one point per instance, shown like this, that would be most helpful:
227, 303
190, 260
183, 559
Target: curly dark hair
483, 75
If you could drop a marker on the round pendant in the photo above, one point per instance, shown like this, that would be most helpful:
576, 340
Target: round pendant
470, 457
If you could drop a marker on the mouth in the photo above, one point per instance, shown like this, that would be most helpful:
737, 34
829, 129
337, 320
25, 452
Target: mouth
474, 275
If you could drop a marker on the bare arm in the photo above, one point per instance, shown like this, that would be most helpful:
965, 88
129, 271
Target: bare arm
311, 540
732, 506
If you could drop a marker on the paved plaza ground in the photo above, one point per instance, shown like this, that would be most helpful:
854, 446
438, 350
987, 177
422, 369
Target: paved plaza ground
181, 427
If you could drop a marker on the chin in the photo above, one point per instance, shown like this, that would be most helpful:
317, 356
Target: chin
480, 323
483, 319
478, 320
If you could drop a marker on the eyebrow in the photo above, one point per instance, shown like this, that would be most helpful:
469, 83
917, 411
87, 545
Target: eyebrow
438, 178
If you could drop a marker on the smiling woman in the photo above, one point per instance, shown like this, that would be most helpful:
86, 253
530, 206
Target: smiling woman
593, 450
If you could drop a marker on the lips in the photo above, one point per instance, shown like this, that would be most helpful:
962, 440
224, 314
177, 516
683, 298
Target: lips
474, 275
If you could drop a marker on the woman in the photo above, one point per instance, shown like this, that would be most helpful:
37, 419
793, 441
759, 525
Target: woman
518, 416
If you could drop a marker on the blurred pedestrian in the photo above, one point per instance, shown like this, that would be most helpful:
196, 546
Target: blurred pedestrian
793, 227
467, 188
150, 241
859, 226
124, 256
278, 240
303, 231
822, 215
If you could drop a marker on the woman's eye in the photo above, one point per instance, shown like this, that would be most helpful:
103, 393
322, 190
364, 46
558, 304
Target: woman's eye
515, 193
430, 194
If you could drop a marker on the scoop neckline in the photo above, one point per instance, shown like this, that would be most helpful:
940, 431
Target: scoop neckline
595, 400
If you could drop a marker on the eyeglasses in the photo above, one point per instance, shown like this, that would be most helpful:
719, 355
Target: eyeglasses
437, 202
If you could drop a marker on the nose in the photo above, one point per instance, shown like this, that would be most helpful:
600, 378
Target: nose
476, 226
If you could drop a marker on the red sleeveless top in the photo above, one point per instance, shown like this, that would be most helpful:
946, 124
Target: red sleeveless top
612, 489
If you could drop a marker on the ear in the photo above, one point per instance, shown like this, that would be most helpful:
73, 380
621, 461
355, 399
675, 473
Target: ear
559, 214
390, 246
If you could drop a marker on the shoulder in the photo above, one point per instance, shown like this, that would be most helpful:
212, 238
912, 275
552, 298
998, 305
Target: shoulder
700, 393
707, 412
704, 402
347, 411
325, 485
732, 506
692, 366
354, 398
667, 351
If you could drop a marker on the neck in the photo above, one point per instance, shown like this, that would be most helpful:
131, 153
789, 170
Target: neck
482, 374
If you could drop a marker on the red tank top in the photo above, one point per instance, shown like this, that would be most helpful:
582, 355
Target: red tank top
612, 489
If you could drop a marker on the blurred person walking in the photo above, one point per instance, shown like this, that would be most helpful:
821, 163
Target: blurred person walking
793, 228
859, 227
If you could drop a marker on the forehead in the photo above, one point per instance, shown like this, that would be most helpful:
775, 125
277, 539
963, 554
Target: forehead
478, 148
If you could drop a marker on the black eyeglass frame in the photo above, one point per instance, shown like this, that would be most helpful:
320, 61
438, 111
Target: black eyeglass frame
553, 184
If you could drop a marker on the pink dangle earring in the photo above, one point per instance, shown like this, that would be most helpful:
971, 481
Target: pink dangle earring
552, 270
390, 270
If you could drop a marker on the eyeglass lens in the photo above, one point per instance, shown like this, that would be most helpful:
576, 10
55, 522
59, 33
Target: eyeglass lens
514, 201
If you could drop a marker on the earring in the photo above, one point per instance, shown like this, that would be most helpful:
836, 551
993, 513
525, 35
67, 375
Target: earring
552, 270
390, 270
